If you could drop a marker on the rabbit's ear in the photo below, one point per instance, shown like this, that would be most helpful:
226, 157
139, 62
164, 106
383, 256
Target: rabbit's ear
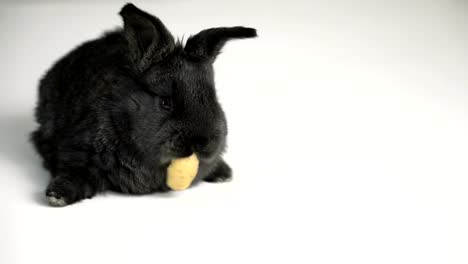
207, 44
147, 37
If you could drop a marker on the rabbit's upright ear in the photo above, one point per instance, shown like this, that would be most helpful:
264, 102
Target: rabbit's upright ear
147, 37
207, 44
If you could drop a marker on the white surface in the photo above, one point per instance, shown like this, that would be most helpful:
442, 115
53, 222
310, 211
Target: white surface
348, 138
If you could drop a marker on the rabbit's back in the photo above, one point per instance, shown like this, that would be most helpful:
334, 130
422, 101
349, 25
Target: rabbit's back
74, 92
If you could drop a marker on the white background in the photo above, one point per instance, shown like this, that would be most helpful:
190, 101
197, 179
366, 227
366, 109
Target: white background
348, 138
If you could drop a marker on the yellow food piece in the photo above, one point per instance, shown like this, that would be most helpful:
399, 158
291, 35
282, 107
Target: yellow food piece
181, 172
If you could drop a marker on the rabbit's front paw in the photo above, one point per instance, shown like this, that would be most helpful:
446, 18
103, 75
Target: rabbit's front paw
222, 173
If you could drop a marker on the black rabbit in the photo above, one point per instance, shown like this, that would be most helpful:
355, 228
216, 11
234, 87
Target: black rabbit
115, 111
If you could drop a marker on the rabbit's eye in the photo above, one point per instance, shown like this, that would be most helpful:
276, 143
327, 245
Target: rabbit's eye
166, 103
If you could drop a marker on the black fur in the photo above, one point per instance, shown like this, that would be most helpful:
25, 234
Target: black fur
115, 111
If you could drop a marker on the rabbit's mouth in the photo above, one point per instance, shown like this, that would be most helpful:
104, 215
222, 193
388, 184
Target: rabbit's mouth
178, 147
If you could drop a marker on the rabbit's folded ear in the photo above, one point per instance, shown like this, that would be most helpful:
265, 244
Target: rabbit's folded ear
207, 44
147, 37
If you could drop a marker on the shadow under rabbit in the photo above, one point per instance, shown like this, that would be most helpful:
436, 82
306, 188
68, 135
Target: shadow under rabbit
16, 148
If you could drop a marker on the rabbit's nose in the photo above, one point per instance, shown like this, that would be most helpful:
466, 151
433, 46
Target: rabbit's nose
200, 143
204, 146
180, 147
